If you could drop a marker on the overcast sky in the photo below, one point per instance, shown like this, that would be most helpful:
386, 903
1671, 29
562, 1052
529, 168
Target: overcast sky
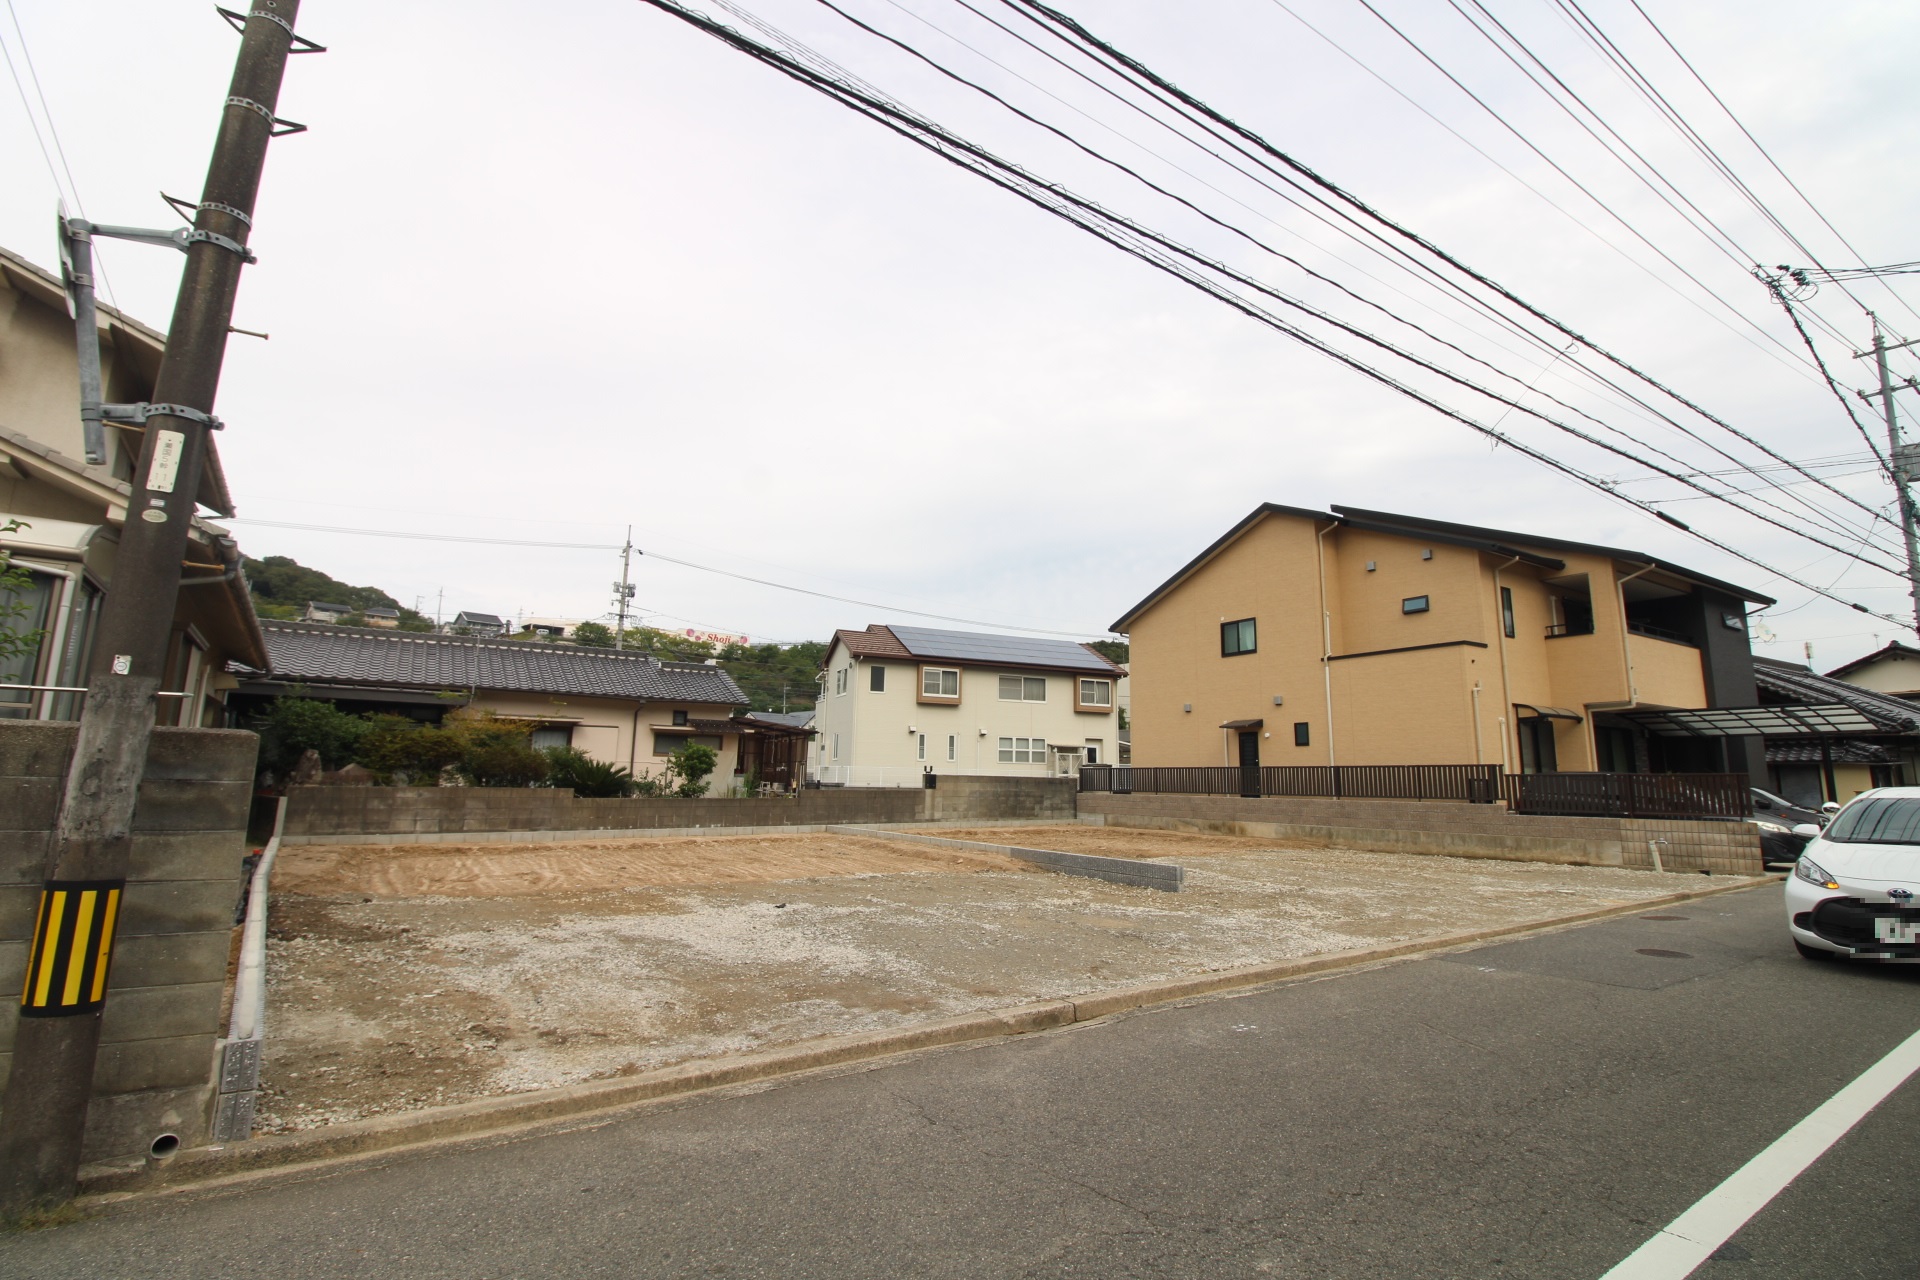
542, 272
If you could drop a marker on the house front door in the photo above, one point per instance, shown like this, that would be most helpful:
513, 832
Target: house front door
1249, 762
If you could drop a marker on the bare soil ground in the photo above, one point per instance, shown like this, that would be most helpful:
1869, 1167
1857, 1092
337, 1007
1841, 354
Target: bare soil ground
412, 976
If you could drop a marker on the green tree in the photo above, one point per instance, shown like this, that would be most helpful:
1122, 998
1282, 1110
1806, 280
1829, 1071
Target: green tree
291, 726
1111, 650
691, 764
587, 777
282, 586
593, 635
393, 746
775, 677
497, 751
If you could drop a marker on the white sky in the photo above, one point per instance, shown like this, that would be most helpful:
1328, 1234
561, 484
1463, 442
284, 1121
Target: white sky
540, 272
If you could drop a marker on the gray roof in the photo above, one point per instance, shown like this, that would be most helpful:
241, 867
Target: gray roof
491, 619
320, 654
1791, 683
1005, 651
791, 719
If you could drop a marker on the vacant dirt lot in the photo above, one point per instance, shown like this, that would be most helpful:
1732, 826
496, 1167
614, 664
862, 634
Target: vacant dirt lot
407, 977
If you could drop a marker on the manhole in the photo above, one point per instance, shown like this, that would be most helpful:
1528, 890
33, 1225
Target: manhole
1663, 917
1662, 952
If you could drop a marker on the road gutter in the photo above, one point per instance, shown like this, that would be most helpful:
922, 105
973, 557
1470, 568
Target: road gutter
519, 1115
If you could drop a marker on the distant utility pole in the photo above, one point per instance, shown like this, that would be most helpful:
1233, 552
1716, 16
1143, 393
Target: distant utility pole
623, 592
44, 1114
1902, 459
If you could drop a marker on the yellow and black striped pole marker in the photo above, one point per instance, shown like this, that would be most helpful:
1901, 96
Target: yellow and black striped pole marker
72, 948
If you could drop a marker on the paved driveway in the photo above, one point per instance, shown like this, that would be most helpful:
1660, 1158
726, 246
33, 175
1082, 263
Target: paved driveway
1537, 1108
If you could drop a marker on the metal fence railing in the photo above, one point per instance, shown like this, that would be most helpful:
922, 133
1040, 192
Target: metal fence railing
1612, 795
1630, 795
1473, 783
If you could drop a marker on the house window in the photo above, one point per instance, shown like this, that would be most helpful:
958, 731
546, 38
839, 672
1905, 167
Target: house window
840, 681
1095, 695
1414, 604
1092, 754
1302, 734
1536, 745
665, 744
1023, 751
940, 682
25, 623
836, 746
679, 717
1236, 637
923, 747
1506, 612
877, 679
1023, 689
552, 735
953, 746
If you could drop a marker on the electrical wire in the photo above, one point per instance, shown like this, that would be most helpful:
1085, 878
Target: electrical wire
654, 555
1286, 300
1056, 200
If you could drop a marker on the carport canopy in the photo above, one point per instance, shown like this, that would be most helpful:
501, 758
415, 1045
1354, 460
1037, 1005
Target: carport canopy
1814, 720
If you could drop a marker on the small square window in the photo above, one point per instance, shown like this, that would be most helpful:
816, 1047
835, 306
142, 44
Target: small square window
679, 717
940, 682
1414, 604
1237, 637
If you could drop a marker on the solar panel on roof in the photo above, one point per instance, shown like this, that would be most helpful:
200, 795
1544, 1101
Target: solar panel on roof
976, 646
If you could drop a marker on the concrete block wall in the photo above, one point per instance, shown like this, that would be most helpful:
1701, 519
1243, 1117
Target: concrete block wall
1463, 830
154, 1073
983, 798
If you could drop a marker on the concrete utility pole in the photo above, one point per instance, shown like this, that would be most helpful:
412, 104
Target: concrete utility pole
44, 1114
623, 592
1903, 460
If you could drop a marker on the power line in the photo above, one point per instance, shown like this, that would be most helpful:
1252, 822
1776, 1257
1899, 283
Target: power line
1324, 317
655, 555
1136, 241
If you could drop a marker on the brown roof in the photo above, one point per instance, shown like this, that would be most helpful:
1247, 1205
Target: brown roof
875, 642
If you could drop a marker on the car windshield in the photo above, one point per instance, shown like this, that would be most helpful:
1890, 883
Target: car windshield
1892, 820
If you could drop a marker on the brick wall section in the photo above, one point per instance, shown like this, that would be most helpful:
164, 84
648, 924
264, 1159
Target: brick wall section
983, 798
1464, 830
320, 813
330, 814
154, 1073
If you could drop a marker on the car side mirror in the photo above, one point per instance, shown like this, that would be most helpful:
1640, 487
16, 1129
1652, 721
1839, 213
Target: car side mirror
1807, 829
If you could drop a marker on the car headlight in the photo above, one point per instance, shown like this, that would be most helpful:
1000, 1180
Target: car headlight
1813, 873
1774, 827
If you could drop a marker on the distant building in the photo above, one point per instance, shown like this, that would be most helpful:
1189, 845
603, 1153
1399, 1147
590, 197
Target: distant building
379, 617
897, 701
321, 611
1894, 669
624, 708
468, 623
551, 628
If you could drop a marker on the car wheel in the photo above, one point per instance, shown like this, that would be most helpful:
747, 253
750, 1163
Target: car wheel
1812, 953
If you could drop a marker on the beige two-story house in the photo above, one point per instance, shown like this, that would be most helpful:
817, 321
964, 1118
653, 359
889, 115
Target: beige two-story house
898, 702
1360, 637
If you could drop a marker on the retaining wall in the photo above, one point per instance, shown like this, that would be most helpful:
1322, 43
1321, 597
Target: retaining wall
403, 815
154, 1073
1432, 826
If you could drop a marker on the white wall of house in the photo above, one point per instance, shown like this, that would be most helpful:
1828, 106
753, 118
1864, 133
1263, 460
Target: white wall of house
891, 735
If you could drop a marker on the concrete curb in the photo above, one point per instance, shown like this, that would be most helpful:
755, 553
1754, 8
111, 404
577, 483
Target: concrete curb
1128, 871
632, 833
291, 1154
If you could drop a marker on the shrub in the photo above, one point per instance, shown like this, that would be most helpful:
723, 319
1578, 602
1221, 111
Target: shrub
589, 778
691, 764
396, 746
292, 726
496, 751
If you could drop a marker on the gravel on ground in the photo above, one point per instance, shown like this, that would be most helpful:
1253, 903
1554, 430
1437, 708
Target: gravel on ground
413, 976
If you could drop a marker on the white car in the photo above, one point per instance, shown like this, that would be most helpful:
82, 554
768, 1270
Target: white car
1852, 892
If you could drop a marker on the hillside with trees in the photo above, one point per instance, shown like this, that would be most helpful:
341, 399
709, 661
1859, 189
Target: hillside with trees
282, 586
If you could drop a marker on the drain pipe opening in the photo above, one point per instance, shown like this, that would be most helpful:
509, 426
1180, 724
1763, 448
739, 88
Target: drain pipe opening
164, 1148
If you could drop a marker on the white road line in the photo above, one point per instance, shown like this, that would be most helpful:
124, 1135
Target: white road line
1684, 1243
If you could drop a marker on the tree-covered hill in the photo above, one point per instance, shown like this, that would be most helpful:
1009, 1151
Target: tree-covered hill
282, 586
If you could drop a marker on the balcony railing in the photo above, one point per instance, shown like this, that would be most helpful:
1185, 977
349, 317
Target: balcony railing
1597, 795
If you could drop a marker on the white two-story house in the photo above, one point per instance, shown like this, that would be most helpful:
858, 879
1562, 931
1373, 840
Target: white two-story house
896, 702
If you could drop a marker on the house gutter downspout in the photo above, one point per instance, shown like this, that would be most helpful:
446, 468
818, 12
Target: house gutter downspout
1506, 690
239, 1082
1326, 632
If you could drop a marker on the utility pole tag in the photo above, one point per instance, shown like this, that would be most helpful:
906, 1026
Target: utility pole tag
167, 447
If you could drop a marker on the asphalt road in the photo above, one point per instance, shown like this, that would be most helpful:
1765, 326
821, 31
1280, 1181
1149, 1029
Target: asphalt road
1536, 1108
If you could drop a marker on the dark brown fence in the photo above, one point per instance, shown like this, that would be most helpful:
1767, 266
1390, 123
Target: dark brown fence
1474, 783
1630, 795
1600, 795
